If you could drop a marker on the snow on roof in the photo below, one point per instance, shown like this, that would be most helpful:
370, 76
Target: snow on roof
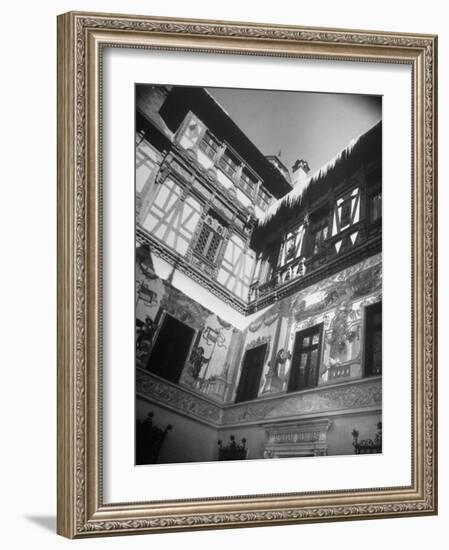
295, 195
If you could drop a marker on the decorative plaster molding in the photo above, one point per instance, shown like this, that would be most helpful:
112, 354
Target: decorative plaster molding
297, 438
351, 395
357, 396
163, 393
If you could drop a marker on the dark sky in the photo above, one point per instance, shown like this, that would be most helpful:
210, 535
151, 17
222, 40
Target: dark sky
312, 126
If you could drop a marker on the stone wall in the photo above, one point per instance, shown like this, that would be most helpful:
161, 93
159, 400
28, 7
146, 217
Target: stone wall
313, 422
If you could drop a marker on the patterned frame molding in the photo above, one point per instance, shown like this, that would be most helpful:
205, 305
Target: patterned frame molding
81, 39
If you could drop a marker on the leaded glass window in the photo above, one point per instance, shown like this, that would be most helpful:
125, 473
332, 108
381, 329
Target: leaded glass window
248, 182
209, 145
263, 199
210, 238
305, 362
229, 163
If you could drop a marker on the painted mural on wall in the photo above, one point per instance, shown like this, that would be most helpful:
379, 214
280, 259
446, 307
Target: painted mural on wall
342, 342
337, 303
218, 350
208, 368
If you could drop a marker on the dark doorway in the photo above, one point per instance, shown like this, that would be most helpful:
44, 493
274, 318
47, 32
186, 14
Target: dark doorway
170, 351
251, 373
373, 340
304, 369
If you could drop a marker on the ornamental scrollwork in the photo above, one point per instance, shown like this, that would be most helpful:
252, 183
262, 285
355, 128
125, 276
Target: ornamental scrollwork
80, 244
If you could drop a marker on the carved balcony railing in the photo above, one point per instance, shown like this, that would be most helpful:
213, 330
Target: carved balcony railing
339, 371
292, 270
353, 243
282, 277
267, 287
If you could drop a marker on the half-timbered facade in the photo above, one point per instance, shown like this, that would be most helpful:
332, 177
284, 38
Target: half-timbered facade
258, 290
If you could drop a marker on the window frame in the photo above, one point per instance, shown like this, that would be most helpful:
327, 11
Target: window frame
310, 331
368, 373
346, 211
371, 197
248, 182
317, 246
228, 160
210, 237
263, 198
206, 147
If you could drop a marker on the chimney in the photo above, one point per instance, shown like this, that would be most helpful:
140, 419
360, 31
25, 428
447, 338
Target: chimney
301, 170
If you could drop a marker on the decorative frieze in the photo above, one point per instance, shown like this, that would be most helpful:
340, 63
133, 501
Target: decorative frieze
256, 342
360, 395
272, 291
163, 393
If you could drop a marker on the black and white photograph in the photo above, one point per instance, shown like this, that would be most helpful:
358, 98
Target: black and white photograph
258, 268
232, 225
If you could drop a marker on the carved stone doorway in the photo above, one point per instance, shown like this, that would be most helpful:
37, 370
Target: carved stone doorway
296, 438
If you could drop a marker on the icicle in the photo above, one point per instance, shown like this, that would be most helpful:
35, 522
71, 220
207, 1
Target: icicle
294, 197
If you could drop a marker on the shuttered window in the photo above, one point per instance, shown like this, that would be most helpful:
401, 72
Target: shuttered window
210, 238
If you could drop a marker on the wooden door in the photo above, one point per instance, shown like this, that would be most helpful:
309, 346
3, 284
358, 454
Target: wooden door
251, 373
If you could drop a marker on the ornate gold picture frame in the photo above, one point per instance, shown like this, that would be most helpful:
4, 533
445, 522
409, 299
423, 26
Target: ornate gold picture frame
82, 508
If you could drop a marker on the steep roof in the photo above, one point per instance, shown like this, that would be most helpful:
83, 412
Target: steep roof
359, 153
182, 99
